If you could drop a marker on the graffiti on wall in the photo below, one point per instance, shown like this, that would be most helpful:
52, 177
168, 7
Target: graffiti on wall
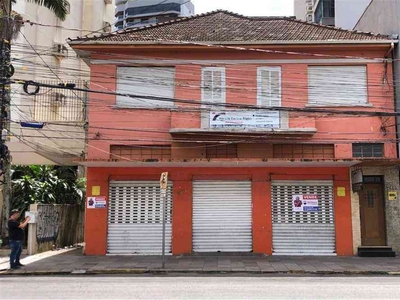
47, 224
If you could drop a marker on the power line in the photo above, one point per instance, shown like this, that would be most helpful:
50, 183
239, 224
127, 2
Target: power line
213, 104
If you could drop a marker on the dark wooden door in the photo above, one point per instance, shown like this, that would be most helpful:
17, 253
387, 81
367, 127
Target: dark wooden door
373, 225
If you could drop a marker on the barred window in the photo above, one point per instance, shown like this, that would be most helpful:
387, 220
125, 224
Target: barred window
367, 150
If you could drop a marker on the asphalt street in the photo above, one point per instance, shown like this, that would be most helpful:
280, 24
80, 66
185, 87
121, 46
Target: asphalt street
183, 287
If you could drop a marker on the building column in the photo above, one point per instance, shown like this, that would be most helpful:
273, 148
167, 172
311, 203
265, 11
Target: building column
343, 217
262, 215
96, 218
182, 217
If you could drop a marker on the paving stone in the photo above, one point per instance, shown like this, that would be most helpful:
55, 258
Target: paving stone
279, 267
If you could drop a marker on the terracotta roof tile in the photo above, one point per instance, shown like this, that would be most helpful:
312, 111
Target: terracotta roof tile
224, 27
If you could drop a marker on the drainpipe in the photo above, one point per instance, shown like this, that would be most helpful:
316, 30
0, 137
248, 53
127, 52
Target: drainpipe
396, 96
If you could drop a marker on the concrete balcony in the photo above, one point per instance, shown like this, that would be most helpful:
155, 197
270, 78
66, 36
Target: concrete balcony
227, 125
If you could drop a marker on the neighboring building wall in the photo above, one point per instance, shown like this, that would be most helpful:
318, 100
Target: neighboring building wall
392, 208
347, 13
299, 9
383, 17
55, 144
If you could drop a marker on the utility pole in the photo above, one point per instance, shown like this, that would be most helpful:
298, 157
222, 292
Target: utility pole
5, 73
163, 187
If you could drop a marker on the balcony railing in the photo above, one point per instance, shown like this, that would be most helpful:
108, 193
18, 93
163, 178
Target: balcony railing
61, 105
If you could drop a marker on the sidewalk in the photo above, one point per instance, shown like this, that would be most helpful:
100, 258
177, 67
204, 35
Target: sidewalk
71, 261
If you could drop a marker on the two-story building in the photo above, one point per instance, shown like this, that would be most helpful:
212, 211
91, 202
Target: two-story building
260, 122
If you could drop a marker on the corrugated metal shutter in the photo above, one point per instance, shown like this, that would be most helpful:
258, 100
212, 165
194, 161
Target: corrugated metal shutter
337, 85
135, 218
222, 216
302, 233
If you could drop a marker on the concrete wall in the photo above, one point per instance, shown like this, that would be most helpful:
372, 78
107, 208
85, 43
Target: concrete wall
300, 9
56, 226
348, 12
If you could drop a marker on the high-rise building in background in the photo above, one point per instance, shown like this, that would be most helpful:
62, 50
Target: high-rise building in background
137, 13
338, 13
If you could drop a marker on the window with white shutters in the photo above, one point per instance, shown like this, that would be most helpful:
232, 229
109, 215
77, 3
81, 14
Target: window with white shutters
148, 82
213, 84
269, 86
337, 85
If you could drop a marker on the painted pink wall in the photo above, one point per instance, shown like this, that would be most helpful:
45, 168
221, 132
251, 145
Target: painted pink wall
241, 88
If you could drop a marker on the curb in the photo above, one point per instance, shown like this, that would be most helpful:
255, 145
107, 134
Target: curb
171, 271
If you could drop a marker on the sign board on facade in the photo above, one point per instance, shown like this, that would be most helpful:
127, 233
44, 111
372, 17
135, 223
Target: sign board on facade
341, 191
95, 190
96, 202
305, 203
244, 119
392, 195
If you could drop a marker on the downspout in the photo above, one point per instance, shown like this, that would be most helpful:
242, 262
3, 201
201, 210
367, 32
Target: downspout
396, 100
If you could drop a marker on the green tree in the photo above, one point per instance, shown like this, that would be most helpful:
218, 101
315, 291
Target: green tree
46, 185
9, 27
59, 7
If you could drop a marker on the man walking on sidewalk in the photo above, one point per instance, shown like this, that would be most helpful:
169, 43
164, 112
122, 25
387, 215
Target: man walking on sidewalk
16, 235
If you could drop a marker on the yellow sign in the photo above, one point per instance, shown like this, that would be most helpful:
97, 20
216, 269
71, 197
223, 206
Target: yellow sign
341, 192
95, 190
392, 195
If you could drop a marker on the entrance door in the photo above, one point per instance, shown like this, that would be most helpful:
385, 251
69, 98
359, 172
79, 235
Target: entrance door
372, 213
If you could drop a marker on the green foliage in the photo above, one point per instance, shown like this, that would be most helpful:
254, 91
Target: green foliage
10, 27
46, 185
59, 7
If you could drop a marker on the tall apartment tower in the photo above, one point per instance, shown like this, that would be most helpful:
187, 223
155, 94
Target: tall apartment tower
137, 13
338, 13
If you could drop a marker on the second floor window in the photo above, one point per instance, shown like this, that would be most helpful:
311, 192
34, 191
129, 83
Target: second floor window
368, 150
148, 82
213, 84
337, 85
269, 86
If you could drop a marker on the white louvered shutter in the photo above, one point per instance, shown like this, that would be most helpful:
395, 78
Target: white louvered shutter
213, 84
135, 218
269, 86
302, 233
149, 81
337, 85
222, 216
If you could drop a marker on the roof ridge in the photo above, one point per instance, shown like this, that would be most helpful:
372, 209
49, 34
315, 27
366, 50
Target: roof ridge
334, 31
177, 20
339, 28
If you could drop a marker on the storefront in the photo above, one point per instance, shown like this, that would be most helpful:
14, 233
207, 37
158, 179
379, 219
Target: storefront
135, 218
222, 217
306, 227
226, 209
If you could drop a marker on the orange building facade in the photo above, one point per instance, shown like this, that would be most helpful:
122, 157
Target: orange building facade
243, 131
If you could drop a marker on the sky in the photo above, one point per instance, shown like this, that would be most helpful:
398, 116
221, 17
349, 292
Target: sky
247, 7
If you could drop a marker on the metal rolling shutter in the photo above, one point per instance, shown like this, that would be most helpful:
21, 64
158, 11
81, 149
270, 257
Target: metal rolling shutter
135, 218
302, 233
337, 85
222, 216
